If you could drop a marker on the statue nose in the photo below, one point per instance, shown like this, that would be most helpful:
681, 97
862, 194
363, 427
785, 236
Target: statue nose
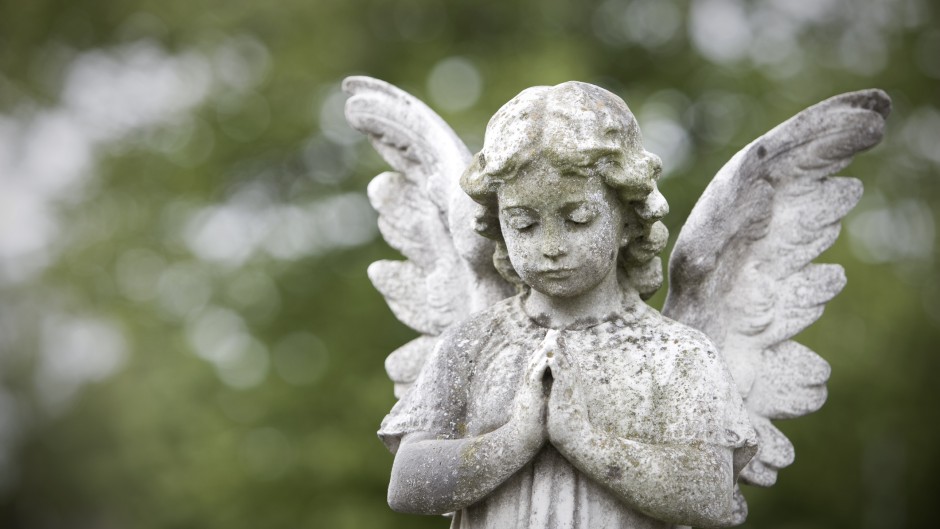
554, 248
553, 241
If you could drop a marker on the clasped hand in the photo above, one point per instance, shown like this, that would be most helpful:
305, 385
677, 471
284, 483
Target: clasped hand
550, 405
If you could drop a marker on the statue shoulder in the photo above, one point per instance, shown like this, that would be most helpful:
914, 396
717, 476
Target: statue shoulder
685, 354
478, 329
680, 335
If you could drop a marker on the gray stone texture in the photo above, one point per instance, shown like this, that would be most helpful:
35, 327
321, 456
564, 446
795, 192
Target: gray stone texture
543, 391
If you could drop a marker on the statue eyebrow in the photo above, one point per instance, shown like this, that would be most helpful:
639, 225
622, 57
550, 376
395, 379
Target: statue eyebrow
517, 210
587, 157
573, 205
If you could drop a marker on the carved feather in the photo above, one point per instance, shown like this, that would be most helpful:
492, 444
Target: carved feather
425, 215
405, 363
741, 270
412, 138
409, 221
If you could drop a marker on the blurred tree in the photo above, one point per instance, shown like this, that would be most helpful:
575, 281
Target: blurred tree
187, 336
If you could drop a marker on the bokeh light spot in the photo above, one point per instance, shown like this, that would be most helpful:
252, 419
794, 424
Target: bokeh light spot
454, 84
332, 112
76, 350
720, 29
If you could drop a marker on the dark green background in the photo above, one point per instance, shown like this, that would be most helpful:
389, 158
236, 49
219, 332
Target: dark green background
162, 441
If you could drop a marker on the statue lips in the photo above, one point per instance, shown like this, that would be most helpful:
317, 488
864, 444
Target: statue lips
556, 273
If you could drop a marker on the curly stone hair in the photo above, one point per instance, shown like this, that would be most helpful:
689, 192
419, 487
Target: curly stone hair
581, 129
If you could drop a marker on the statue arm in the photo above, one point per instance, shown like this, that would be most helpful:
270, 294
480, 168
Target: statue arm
685, 484
436, 476
432, 476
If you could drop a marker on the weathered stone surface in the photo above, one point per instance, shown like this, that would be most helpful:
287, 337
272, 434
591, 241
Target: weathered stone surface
741, 268
573, 403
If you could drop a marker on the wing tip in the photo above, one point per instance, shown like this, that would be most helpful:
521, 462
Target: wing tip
379, 188
855, 189
377, 271
833, 275
874, 99
356, 83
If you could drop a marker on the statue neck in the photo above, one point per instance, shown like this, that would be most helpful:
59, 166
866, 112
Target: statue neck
584, 310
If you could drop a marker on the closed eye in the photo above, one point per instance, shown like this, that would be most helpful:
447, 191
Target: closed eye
519, 218
581, 215
520, 223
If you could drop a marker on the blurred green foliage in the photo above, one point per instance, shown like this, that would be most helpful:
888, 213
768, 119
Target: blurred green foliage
187, 334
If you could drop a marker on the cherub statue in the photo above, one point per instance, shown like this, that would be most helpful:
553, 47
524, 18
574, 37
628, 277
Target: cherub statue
544, 392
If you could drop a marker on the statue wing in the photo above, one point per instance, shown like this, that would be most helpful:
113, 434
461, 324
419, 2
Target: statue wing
448, 272
741, 268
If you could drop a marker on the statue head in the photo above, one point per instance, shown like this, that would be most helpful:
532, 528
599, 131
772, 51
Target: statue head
551, 136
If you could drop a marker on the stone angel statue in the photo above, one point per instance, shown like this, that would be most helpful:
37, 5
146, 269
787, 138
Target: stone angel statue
543, 392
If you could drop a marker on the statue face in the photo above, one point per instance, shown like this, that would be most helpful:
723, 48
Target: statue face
562, 231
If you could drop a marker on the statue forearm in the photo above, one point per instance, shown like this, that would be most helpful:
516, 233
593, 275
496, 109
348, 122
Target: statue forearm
432, 476
686, 484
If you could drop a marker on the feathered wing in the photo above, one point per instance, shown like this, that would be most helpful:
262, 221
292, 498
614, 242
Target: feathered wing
425, 215
741, 268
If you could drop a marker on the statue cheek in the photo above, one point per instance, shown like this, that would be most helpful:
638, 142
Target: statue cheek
520, 254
